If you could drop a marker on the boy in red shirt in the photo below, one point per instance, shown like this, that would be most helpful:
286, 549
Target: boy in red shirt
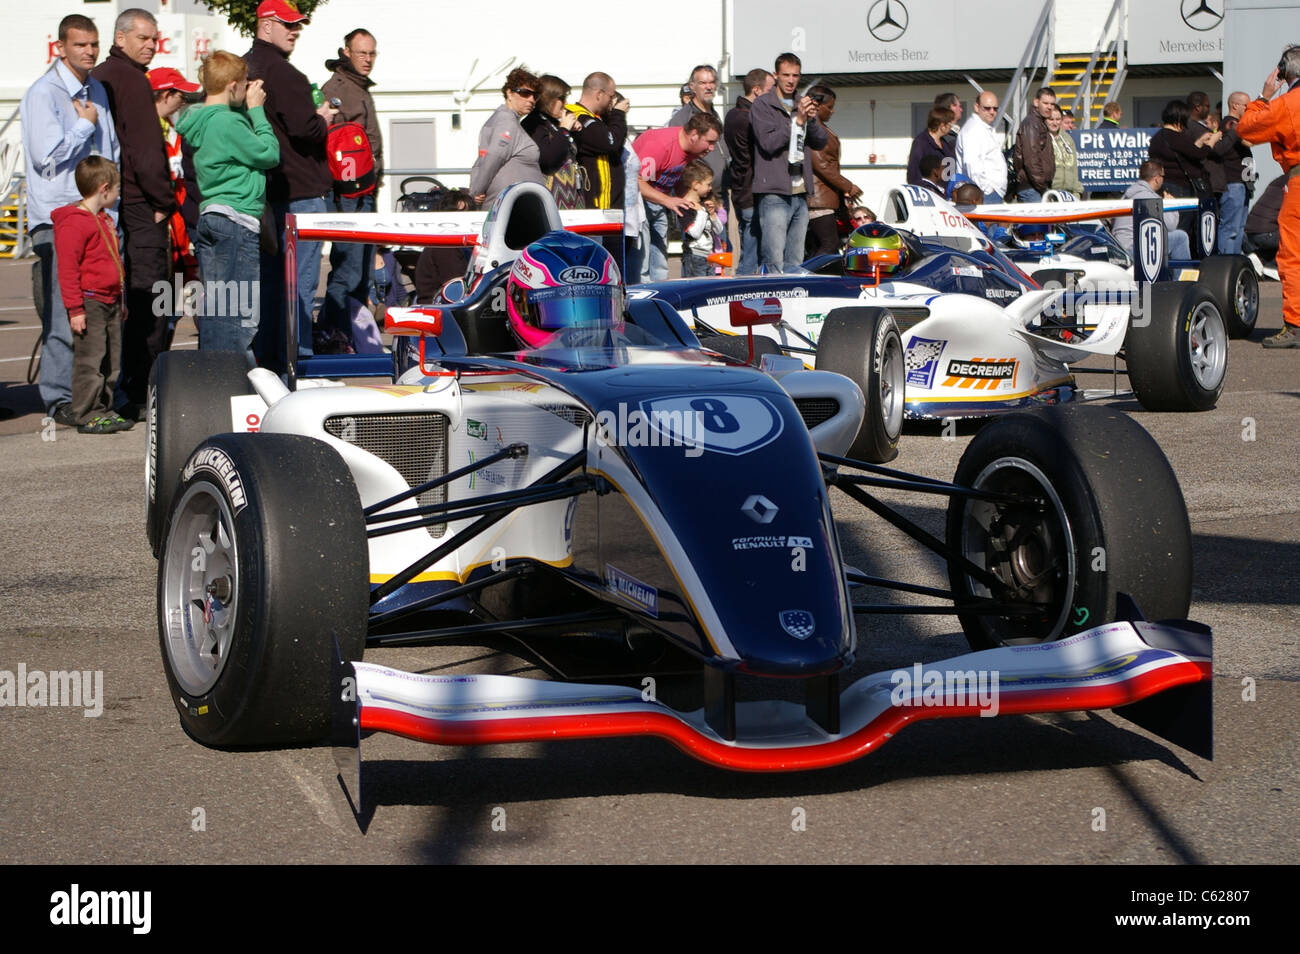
91, 280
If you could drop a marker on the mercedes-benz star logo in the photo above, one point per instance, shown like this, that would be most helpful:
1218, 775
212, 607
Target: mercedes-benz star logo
1200, 16
887, 20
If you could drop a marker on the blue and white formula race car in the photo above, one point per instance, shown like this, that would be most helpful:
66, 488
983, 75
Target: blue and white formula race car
614, 502
953, 328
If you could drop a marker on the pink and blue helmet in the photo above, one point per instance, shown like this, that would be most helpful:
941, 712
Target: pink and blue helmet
559, 282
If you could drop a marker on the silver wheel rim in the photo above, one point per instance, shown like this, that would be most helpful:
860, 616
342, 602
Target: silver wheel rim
1207, 345
1041, 547
891, 387
1246, 299
200, 591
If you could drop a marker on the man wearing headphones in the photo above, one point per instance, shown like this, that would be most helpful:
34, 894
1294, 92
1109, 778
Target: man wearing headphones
1276, 121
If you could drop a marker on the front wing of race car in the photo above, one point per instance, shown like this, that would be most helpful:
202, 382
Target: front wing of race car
1157, 675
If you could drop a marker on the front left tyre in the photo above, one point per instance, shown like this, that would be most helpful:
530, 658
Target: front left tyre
1101, 514
262, 574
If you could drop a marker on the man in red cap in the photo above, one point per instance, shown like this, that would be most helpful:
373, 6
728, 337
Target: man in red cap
301, 183
147, 199
170, 90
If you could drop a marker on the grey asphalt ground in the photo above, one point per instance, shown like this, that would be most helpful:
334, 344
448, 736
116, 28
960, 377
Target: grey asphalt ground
77, 592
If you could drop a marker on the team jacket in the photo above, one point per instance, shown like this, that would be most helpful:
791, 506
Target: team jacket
90, 264
145, 176
600, 152
303, 172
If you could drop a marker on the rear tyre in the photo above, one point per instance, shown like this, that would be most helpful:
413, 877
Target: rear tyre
188, 401
864, 345
1177, 354
263, 569
1232, 281
1114, 522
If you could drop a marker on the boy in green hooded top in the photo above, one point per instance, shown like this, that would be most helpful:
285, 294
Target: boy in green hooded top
234, 145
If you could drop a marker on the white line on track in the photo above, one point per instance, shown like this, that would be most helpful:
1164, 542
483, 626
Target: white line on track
22, 328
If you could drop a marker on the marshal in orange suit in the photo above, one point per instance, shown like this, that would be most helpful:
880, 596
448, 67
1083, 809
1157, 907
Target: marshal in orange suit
1277, 122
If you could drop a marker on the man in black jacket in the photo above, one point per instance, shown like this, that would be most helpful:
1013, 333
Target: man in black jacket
737, 132
300, 184
600, 135
147, 200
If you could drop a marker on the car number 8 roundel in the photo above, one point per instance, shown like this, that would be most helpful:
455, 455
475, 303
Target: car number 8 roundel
725, 423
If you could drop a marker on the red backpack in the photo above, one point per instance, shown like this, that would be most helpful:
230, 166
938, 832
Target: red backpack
352, 164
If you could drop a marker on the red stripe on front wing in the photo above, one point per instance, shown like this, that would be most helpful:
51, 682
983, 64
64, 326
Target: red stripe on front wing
786, 759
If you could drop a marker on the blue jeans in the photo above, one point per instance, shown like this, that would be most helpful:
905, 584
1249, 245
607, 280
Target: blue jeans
228, 255
1232, 218
269, 345
783, 221
656, 263
350, 266
1180, 246
747, 229
993, 198
1029, 195
56, 334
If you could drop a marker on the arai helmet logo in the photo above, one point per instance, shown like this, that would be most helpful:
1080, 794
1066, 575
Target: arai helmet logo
579, 275
1151, 248
798, 623
1207, 231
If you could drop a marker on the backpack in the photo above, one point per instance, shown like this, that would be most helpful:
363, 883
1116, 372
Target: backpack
351, 162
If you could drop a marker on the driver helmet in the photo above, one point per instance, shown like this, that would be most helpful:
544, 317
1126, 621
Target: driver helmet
869, 238
561, 282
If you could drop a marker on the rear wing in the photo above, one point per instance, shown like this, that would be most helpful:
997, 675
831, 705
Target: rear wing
521, 215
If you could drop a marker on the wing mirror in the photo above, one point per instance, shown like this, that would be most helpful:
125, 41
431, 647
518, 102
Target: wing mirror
749, 312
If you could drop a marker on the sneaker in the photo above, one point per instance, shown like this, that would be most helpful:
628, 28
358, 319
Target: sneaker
63, 415
1288, 337
98, 425
119, 422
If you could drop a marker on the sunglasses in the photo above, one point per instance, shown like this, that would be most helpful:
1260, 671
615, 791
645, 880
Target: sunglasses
526, 93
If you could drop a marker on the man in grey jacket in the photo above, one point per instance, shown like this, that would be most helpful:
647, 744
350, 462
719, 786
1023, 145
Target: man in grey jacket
784, 133
1151, 176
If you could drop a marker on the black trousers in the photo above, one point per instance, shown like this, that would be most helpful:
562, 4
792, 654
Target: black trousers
823, 236
146, 259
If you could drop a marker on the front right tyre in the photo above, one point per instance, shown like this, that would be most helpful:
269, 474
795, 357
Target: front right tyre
262, 573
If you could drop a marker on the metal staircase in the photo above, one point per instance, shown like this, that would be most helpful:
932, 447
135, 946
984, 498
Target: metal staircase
1085, 83
13, 195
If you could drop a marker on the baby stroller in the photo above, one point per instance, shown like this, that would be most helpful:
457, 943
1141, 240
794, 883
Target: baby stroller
410, 201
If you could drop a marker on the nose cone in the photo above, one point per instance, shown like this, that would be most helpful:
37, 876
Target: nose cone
742, 494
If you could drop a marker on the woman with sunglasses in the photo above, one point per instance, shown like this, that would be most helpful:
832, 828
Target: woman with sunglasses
507, 154
550, 125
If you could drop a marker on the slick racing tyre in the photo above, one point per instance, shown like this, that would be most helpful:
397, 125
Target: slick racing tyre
263, 572
864, 345
737, 346
1112, 520
188, 401
1232, 281
1177, 353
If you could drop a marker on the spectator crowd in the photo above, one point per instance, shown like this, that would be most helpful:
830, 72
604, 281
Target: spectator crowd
124, 197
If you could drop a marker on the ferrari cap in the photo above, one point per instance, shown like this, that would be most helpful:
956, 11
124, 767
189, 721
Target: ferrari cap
164, 77
286, 11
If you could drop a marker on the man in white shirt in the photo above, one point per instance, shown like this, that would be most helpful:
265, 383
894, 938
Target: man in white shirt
979, 150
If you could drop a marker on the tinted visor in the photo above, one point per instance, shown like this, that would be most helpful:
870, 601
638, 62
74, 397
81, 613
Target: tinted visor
858, 260
573, 306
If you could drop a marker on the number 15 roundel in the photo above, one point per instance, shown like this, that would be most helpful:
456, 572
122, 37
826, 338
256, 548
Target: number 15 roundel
725, 423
